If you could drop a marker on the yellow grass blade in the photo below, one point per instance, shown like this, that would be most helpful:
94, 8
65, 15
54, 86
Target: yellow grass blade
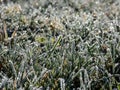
5, 31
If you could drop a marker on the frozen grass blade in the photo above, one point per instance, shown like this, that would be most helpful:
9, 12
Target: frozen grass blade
13, 69
62, 83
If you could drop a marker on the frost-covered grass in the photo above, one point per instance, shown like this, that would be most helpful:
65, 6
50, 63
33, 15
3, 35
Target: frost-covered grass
60, 45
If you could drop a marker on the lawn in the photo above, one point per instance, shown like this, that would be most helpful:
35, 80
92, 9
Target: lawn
60, 45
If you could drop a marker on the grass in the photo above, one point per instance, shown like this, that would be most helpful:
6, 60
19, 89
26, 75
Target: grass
60, 45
